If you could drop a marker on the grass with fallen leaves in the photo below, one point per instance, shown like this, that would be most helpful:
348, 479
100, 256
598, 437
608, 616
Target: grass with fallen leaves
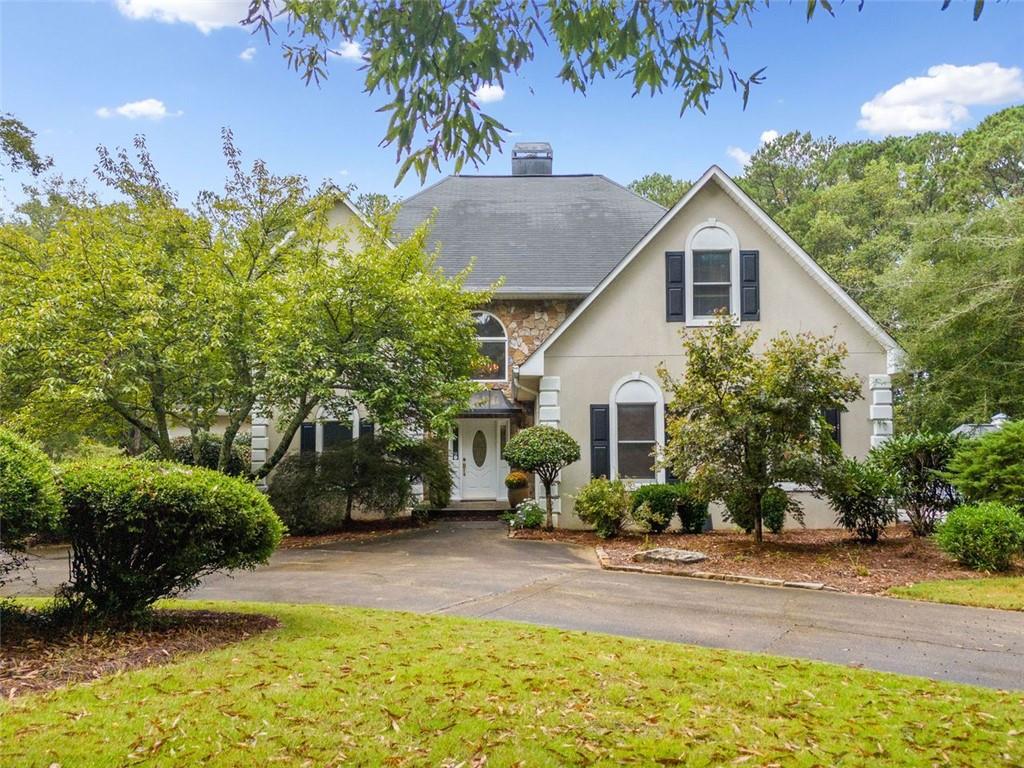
1006, 592
336, 686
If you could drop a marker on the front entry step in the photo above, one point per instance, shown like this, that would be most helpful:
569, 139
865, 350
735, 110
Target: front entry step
469, 509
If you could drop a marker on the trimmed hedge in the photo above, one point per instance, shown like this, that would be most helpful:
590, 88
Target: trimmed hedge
653, 507
29, 499
774, 504
985, 536
143, 530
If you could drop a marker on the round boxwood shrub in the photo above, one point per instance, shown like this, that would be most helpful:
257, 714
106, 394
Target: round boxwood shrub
603, 504
692, 510
991, 468
985, 536
652, 507
29, 499
861, 495
143, 530
209, 452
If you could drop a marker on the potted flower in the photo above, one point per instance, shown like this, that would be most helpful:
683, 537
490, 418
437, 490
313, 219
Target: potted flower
518, 484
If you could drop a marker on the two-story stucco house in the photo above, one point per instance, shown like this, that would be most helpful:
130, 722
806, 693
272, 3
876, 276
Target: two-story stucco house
597, 284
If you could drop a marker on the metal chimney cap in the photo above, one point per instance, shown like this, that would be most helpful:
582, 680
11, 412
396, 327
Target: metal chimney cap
532, 148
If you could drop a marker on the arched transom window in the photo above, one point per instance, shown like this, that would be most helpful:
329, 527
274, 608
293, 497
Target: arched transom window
490, 333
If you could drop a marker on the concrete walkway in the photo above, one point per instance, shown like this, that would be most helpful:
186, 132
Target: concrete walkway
473, 569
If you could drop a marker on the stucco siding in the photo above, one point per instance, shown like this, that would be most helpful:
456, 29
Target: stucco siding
624, 330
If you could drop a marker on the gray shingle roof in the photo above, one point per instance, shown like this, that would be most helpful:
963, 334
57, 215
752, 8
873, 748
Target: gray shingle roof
543, 234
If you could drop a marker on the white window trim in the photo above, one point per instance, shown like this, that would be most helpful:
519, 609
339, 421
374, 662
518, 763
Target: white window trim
324, 414
734, 272
613, 427
494, 338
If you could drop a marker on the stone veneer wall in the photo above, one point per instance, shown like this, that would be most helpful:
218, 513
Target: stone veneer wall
529, 322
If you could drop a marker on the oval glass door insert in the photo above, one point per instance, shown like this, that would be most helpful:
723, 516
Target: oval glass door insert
479, 448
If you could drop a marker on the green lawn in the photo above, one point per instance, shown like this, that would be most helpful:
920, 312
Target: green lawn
340, 686
1001, 592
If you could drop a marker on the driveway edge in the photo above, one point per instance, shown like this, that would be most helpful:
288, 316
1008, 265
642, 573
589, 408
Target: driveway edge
608, 565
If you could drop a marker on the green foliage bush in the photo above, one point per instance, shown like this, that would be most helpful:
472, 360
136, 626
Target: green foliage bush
529, 514
991, 468
544, 451
692, 509
984, 536
775, 503
653, 506
209, 452
143, 530
603, 504
917, 461
861, 495
29, 499
317, 493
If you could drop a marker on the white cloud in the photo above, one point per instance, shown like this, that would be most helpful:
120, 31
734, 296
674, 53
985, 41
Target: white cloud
488, 93
149, 109
248, 54
205, 15
741, 155
738, 154
939, 100
349, 49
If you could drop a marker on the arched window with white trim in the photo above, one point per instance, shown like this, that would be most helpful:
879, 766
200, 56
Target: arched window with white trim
493, 340
636, 428
712, 272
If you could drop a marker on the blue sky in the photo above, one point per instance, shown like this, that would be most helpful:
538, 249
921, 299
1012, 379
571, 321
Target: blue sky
64, 63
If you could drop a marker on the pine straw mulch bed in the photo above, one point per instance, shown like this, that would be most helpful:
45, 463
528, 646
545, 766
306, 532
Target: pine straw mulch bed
828, 556
358, 530
35, 656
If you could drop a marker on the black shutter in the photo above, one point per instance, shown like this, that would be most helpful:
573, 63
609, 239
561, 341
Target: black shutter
307, 438
366, 427
670, 476
750, 291
600, 456
832, 417
675, 287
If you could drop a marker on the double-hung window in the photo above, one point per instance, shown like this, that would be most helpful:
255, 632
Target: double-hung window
712, 272
712, 282
636, 440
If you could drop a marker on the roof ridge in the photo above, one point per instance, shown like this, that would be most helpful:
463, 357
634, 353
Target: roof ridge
624, 188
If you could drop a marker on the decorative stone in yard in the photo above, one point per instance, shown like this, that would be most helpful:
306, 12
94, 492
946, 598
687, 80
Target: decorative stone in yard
670, 555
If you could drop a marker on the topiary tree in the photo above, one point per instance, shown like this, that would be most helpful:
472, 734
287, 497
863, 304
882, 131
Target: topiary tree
917, 461
545, 451
143, 530
991, 468
29, 500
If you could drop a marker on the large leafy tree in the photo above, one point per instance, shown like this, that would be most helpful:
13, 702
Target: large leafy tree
662, 188
959, 297
740, 422
158, 316
432, 58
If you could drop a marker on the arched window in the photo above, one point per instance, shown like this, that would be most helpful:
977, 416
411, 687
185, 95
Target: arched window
637, 422
493, 346
712, 254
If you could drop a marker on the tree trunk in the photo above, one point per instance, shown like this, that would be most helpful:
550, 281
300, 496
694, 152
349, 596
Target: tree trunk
197, 448
286, 437
547, 496
230, 432
758, 522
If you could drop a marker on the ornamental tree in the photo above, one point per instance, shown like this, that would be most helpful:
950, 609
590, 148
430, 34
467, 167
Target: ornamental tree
545, 451
740, 423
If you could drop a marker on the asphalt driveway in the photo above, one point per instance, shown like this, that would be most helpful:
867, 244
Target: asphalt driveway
473, 569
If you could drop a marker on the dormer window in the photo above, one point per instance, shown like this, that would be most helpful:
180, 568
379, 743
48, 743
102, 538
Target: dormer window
712, 272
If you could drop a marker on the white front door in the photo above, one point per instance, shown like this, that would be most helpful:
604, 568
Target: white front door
478, 451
